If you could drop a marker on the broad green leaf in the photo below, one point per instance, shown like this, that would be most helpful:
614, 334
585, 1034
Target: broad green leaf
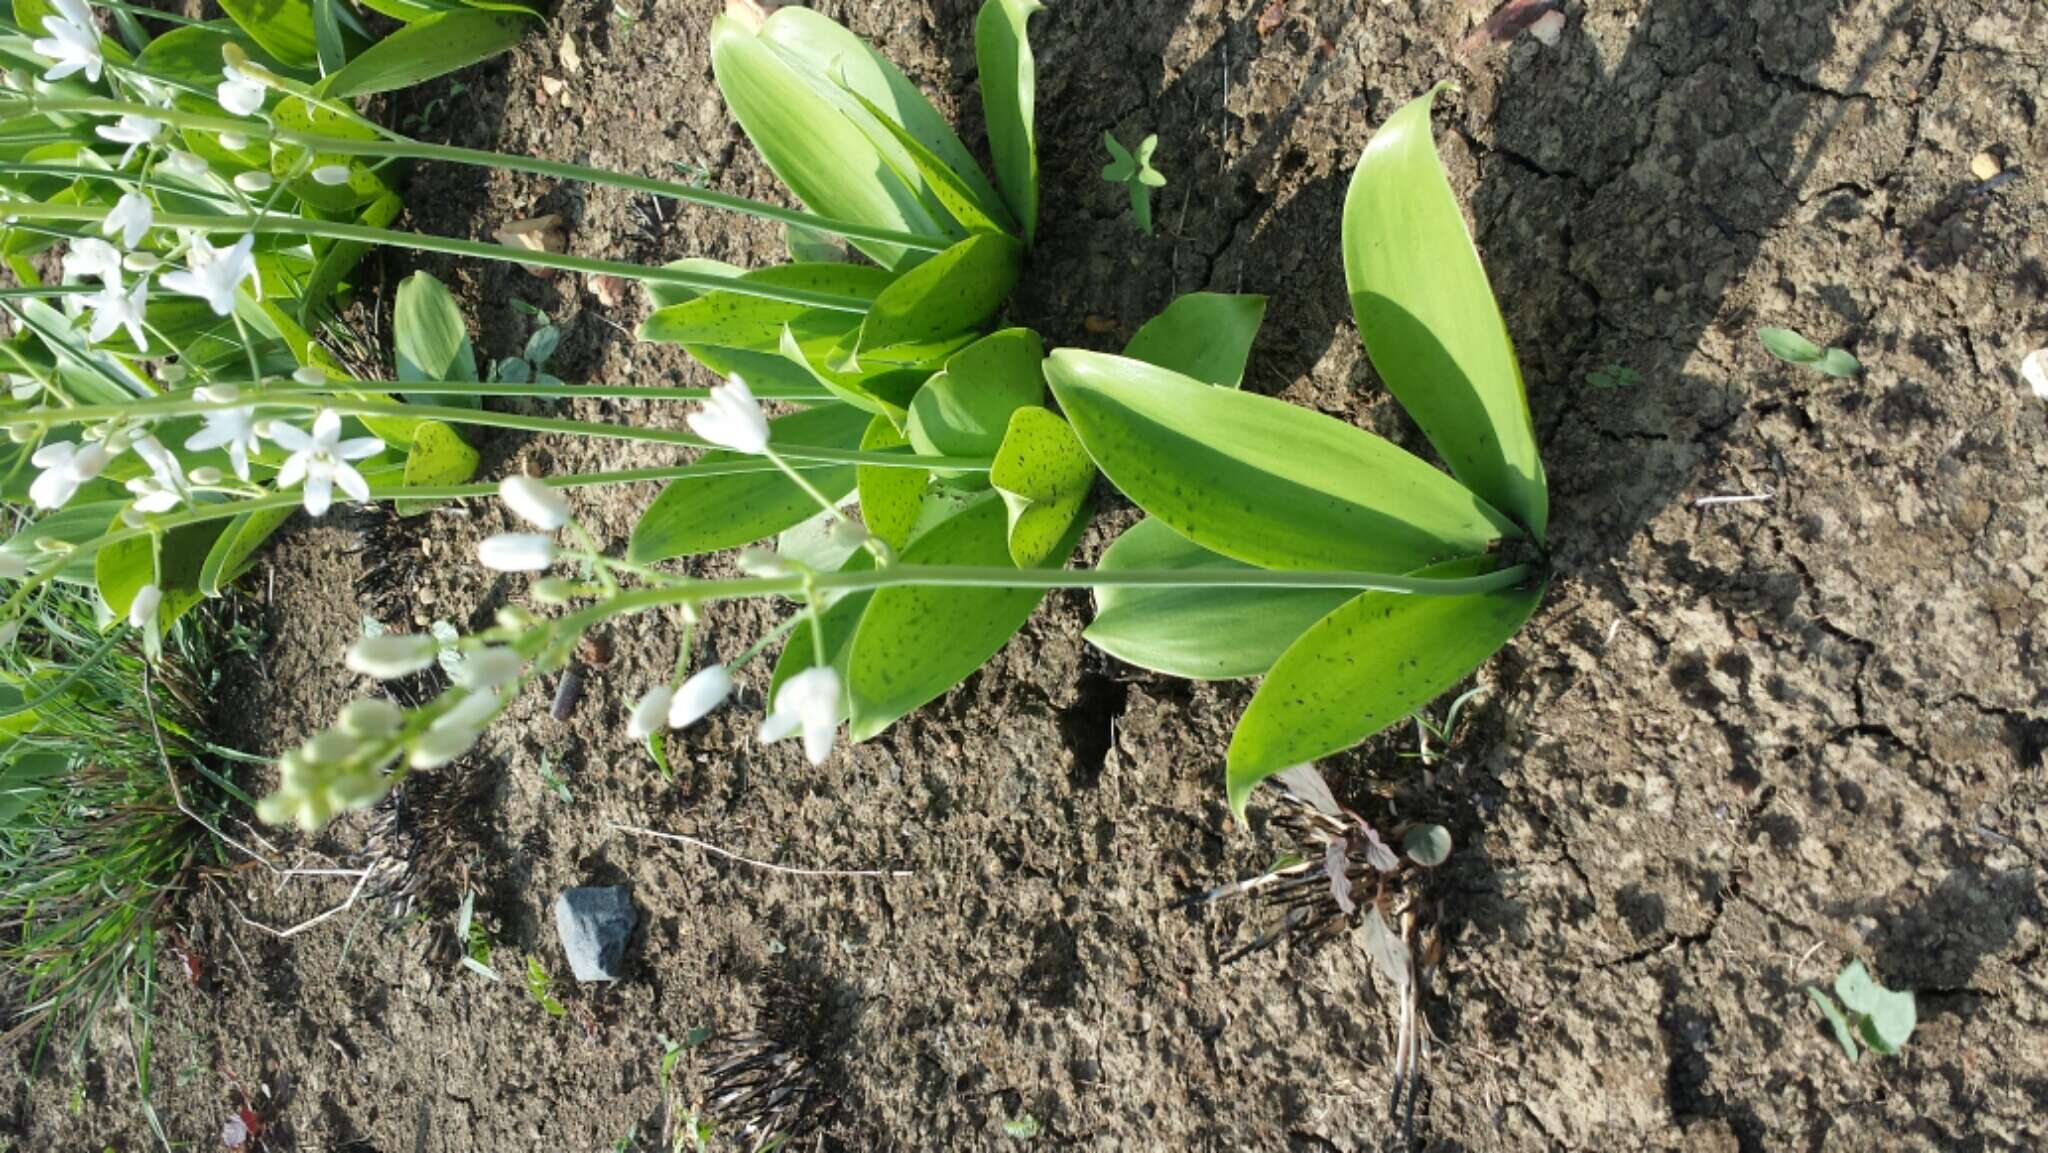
328, 44
438, 456
191, 55
1204, 335
1793, 348
889, 497
1202, 634
800, 123
943, 184
916, 642
235, 550
363, 185
1885, 1018
842, 616
1044, 475
175, 565
1261, 480
965, 410
738, 320
1426, 312
884, 390
704, 514
338, 258
809, 246
75, 523
283, 27
430, 337
1372, 662
953, 292
430, 47
1009, 97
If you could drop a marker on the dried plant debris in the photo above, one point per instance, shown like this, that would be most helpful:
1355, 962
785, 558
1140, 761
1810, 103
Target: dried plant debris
420, 840
773, 1087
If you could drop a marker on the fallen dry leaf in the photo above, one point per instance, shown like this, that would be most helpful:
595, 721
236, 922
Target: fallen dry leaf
1272, 16
1506, 23
1548, 28
1098, 325
609, 290
551, 87
572, 60
538, 234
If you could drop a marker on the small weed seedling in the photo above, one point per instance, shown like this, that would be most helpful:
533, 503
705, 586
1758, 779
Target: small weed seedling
552, 783
684, 1127
1135, 171
474, 939
1793, 348
1614, 376
530, 367
538, 987
1022, 1127
1426, 727
1881, 1018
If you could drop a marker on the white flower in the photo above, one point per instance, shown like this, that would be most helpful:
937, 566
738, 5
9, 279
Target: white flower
233, 141
213, 274
65, 465
540, 505
322, 461
91, 257
706, 689
488, 667
239, 92
73, 43
731, 418
163, 490
132, 130
144, 262
392, 655
142, 610
253, 181
185, 164
331, 175
472, 712
649, 713
13, 566
371, 717
310, 375
205, 475
2035, 369
810, 702
111, 310
231, 428
516, 552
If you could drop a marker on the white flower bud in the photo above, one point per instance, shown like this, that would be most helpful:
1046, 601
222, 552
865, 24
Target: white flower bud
471, 712
554, 591
142, 610
538, 504
649, 714
253, 182
13, 566
331, 175
515, 619
487, 668
142, 262
437, 746
173, 373
705, 690
233, 141
394, 655
516, 552
311, 375
206, 475
212, 393
328, 747
371, 717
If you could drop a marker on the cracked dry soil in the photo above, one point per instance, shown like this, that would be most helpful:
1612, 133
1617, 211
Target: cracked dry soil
1740, 744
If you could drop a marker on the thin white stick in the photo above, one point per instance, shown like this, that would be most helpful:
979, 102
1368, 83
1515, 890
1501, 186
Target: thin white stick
302, 926
1741, 498
770, 866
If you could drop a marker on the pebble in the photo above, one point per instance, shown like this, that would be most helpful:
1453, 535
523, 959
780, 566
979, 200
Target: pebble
1984, 166
594, 924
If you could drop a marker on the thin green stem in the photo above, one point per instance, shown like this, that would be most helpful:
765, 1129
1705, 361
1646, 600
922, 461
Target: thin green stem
810, 490
272, 224
401, 148
500, 388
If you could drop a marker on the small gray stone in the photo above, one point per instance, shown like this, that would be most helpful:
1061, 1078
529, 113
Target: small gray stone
593, 924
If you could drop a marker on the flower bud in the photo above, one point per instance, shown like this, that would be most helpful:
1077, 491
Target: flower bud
762, 562
206, 475
331, 175
233, 141
393, 655
554, 591
473, 711
438, 745
23, 433
13, 566
253, 181
487, 668
311, 375
371, 717
538, 504
215, 393
328, 747
142, 610
516, 552
705, 690
650, 712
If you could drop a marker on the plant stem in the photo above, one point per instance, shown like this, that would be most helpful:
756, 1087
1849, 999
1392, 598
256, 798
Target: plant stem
275, 224
342, 386
401, 148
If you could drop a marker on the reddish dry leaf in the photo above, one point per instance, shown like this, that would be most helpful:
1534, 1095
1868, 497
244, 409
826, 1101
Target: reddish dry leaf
538, 234
1506, 23
1271, 18
1337, 863
609, 290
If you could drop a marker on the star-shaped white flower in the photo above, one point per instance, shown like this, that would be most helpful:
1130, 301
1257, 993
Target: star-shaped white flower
322, 461
91, 257
111, 309
165, 488
812, 703
66, 465
131, 218
233, 429
732, 418
132, 130
73, 43
213, 274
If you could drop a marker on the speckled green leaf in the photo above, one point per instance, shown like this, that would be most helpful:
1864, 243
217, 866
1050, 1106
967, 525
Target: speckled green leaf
954, 292
884, 390
1261, 480
1426, 312
1375, 660
434, 46
1009, 98
914, 643
1205, 335
301, 115
1044, 475
75, 523
965, 410
734, 320
173, 564
283, 27
842, 616
1201, 634
889, 497
953, 193
232, 554
438, 456
704, 514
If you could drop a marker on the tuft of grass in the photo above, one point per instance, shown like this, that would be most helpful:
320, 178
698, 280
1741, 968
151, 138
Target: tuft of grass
97, 751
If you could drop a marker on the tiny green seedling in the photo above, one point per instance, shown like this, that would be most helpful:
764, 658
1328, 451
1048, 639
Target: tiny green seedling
1881, 1018
1614, 376
474, 940
1427, 727
552, 783
1135, 171
1023, 1127
530, 367
1793, 348
537, 986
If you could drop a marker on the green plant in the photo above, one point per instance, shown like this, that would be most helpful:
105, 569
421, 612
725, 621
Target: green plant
539, 987
1615, 376
1793, 348
473, 939
1879, 1017
1134, 170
